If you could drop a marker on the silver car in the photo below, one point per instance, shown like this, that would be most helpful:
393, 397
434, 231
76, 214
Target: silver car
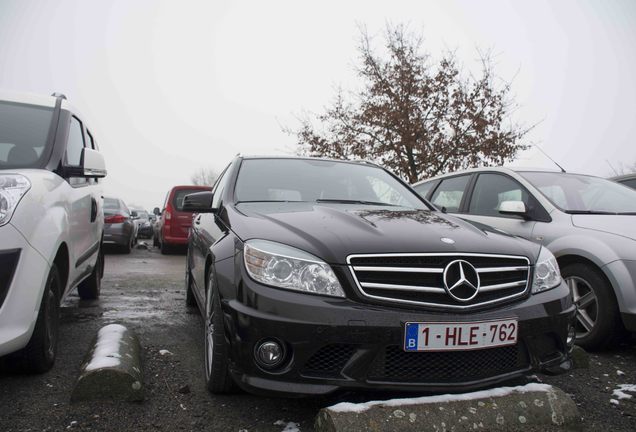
589, 224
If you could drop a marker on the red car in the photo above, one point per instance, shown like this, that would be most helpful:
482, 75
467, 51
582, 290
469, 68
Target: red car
173, 224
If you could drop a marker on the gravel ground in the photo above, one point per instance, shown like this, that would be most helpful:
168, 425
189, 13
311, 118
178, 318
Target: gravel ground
145, 291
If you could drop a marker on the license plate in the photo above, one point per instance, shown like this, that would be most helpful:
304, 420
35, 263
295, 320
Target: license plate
455, 336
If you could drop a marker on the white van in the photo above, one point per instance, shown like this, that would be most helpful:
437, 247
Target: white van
51, 222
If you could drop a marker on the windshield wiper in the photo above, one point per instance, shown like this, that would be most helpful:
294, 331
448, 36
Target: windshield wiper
591, 212
348, 201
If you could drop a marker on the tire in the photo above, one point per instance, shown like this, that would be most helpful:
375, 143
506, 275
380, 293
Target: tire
165, 249
90, 288
597, 323
128, 247
39, 354
155, 241
190, 300
217, 375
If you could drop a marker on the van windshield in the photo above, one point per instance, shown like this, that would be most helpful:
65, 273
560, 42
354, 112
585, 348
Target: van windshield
23, 134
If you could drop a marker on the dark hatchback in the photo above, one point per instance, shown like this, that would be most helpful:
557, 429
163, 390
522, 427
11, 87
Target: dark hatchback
315, 275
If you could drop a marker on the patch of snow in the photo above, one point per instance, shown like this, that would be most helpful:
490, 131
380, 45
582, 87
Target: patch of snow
620, 373
164, 352
106, 353
613, 401
496, 392
622, 388
288, 426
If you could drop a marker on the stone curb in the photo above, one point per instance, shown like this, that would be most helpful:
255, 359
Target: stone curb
112, 367
533, 406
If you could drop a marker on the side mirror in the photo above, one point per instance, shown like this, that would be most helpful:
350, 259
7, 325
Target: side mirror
93, 164
134, 215
200, 202
514, 208
156, 211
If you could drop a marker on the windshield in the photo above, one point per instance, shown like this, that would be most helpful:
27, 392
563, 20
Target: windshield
576, 193
309, 180
23, 134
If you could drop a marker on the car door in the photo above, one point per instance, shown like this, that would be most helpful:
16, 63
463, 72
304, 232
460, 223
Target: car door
206, 230
82, 211
490, 189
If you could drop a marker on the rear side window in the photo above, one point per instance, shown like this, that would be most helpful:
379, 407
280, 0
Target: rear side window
75, 143
450, 192
179, 195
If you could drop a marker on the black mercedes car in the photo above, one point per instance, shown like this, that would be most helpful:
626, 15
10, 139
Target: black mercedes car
315, 275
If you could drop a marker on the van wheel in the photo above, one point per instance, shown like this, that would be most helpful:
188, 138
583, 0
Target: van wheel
90, 288
165, 249
39, 354
597, 321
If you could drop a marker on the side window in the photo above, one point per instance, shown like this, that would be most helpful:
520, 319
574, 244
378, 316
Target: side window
450, 192
424, 188
219, 187
631, 183
91, 141
493, 189
75, 143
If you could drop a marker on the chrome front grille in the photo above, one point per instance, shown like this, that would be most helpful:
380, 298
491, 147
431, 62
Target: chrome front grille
418, 279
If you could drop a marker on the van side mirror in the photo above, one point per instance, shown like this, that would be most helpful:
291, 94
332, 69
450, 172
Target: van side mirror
93, 164
199, 202
514, 208
156, 211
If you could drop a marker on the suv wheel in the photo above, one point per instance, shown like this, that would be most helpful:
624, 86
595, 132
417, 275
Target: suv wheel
217, 376
90, 288
597, 322
39, 354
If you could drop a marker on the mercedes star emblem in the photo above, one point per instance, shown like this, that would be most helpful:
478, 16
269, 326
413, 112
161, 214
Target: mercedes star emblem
461, 280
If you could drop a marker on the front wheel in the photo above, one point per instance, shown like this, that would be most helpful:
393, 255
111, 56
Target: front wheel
217, 376
39, 354
598, 322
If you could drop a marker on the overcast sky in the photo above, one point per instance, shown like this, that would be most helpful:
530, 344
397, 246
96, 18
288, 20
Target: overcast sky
173, 86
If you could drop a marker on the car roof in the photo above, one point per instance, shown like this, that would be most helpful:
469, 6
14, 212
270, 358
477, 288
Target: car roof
502, 169
351, 161
623, 177
28, 98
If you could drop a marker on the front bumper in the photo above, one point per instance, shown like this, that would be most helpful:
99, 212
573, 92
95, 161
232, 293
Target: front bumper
341, 344
22, 294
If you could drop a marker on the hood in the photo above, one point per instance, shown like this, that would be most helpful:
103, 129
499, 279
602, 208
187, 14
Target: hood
334, 231
621, 225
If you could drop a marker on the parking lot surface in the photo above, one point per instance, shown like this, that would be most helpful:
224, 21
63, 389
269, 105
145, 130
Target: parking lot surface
144, 291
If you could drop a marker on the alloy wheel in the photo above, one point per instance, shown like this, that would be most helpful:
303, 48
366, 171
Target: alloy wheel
586, 304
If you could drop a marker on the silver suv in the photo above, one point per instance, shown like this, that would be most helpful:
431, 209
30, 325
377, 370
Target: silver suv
587, 222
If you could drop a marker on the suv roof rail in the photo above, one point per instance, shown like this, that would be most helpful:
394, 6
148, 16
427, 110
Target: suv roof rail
58, 95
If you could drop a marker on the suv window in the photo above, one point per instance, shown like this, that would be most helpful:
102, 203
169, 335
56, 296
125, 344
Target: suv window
493, 189
75, 143
450, 192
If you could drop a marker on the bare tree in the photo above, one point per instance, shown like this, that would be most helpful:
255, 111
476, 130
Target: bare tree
622, 169
204, 177
415, 118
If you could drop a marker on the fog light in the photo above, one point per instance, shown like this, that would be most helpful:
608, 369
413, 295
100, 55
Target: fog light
571, 337
270, 354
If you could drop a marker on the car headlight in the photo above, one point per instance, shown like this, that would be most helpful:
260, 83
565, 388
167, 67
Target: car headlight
12, 189
286, 267
546, 272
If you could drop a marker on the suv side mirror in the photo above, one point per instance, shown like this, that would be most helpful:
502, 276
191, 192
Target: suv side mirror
200, 202
93, 164
156, 211
514, 208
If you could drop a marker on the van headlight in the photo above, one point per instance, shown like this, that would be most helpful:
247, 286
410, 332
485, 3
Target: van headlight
546, 272
286, 267
12, 189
